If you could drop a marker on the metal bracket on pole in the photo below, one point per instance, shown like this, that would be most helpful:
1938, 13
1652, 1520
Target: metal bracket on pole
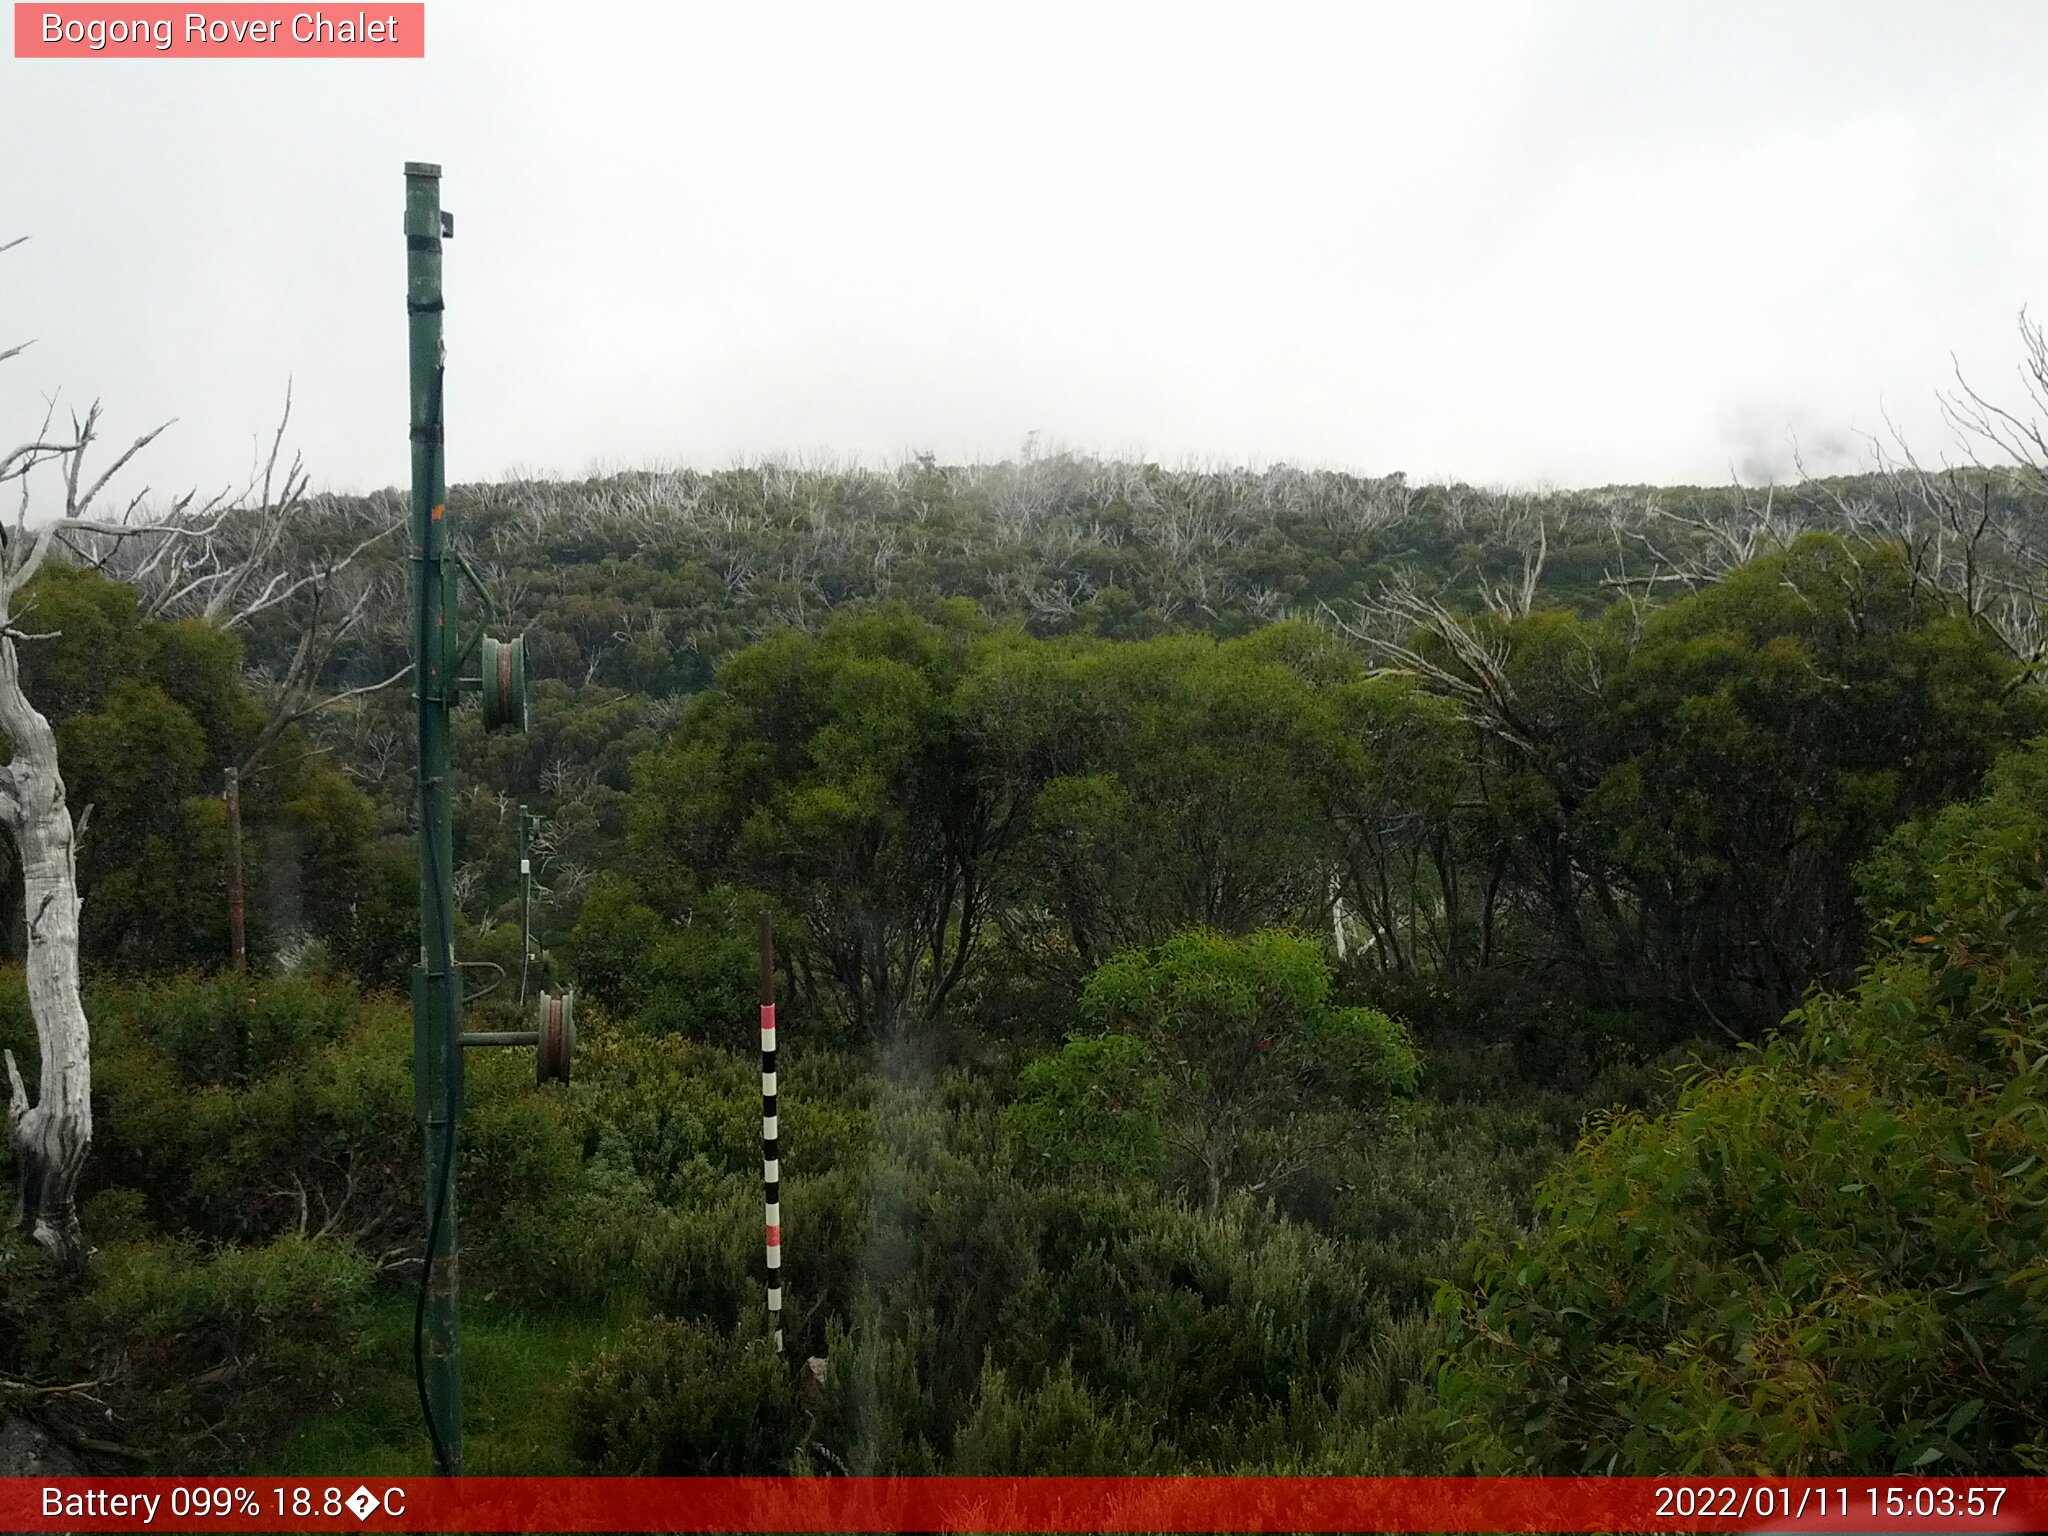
554, 1037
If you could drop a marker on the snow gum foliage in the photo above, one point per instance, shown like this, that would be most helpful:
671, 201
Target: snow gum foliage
1233, 1047
1829, 1258
1173, 988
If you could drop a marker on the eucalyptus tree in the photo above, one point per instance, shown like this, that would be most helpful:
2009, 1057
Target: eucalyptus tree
192, 556
1170, 783
1973, 529
827, 774
1255, 1073
49, 1134
1680, 793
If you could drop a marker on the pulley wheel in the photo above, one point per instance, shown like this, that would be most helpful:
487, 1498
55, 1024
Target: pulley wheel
504, 683
557, 1037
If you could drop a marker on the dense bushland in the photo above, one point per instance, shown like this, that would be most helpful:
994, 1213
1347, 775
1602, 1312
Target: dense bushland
1829, 1257
1191, 973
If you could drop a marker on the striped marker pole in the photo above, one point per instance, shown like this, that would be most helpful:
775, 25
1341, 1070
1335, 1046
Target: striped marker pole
771, 1158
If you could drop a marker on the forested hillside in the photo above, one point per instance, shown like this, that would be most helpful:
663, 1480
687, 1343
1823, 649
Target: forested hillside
1280, 972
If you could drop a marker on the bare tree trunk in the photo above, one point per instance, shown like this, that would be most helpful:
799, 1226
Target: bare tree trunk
50, 1137
238, 950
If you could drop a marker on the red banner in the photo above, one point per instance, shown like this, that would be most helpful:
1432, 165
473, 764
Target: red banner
932, 1504
373, 31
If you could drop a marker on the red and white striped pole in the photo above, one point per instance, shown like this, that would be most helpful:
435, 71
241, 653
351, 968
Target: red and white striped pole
771, 1158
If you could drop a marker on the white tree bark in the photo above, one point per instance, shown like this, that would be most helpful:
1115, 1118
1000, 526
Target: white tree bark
50, 1135
180, 561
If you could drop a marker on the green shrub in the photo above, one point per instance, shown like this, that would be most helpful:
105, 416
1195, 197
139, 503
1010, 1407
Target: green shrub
676, 1399
1827, 1260
708, 1261
522, 1178
1213, 1323
1056, 1429
228, 1029
320, 1138
212, 1354
1095, 1107
682, 1117
879, 1415
1261, 1071
696, 979
242, 1109
34, 1346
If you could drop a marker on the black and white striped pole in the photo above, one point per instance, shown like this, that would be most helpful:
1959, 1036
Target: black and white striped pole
771, 1158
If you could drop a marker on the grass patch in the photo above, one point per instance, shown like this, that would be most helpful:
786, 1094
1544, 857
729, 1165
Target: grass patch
516, 1370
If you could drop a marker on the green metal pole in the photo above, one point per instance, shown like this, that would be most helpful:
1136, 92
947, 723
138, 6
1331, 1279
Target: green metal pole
436, 993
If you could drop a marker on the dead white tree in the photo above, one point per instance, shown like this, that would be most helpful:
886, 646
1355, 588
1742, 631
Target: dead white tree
1518, 600
1967, 531
1466, 659
1697, 549
50, 1134
2018, 437
1978, 529
1973, 527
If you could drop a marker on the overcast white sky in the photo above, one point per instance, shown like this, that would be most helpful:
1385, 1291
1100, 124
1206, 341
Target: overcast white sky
1522, 243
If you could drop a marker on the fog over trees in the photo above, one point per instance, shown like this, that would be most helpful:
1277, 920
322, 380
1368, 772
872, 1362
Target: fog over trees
1279, 970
